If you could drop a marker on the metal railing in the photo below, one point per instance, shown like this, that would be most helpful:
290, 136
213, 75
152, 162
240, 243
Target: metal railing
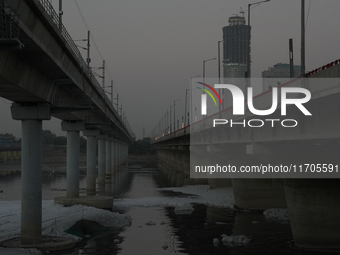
9, 28
55, 18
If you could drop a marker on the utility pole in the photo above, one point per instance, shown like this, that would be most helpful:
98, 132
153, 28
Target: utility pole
291, 58
60, 14
88, 60
303, 63
111, 91
117, 101
186, 97
103, 78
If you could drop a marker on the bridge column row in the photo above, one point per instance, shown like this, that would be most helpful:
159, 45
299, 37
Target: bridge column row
31, 118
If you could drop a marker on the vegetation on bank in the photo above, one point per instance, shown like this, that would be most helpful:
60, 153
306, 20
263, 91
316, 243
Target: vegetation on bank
51, 140
141, 147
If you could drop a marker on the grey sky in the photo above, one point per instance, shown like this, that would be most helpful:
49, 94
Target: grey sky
153, 47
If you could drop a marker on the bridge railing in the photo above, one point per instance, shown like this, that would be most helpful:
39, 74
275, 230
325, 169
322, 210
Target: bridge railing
159, 133
55, 18
9, 28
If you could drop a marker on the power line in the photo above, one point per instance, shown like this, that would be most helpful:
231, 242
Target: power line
92, 39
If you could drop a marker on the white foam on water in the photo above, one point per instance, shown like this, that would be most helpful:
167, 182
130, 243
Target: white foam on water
202, 194
278, 214
56, 218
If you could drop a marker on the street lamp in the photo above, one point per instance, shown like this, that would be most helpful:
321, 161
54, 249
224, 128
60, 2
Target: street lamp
185, 112
191, 91
204, 68
170, 125
175, 113
303, 61
219, 68
204, 71
249, 56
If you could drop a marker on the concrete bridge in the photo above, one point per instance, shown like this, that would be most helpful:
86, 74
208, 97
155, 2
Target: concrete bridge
312, 199
43, 73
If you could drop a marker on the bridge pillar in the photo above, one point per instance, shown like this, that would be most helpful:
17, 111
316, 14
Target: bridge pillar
119, 151
31, 169
91, 156
73, 156
314, 213
101, 162
108, 159
198, 157
185, 153
116, 167
214, 155
179, 173
117, 155
113, 158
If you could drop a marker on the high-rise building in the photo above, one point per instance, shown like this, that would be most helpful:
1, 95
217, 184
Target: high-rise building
235, 55
235, 47
278, 74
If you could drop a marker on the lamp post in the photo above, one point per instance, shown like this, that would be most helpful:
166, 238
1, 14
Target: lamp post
170, 125
219, 68
175, 113
249, 55
204, 68
204, 72
303, 63
185, 112
191, 92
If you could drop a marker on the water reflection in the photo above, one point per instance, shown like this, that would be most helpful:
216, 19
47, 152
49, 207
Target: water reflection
53, 184
171, 233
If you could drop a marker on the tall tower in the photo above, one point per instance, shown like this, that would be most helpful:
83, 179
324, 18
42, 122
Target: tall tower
235, 47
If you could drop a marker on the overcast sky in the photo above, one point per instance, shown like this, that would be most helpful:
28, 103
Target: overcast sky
153, 47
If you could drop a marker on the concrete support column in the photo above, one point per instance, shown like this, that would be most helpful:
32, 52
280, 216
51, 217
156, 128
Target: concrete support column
216, 155
125, 151
118, 154
73, 156
114, 159
91, 164
31, 182
31, 169
314, 213
108, 159
72, 164
91, 156
101, 160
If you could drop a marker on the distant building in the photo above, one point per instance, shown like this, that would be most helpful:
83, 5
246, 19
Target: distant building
235, 54
277, 75
235, 42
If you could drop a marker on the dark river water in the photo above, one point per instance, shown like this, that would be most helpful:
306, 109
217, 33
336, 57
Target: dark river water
169, 233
